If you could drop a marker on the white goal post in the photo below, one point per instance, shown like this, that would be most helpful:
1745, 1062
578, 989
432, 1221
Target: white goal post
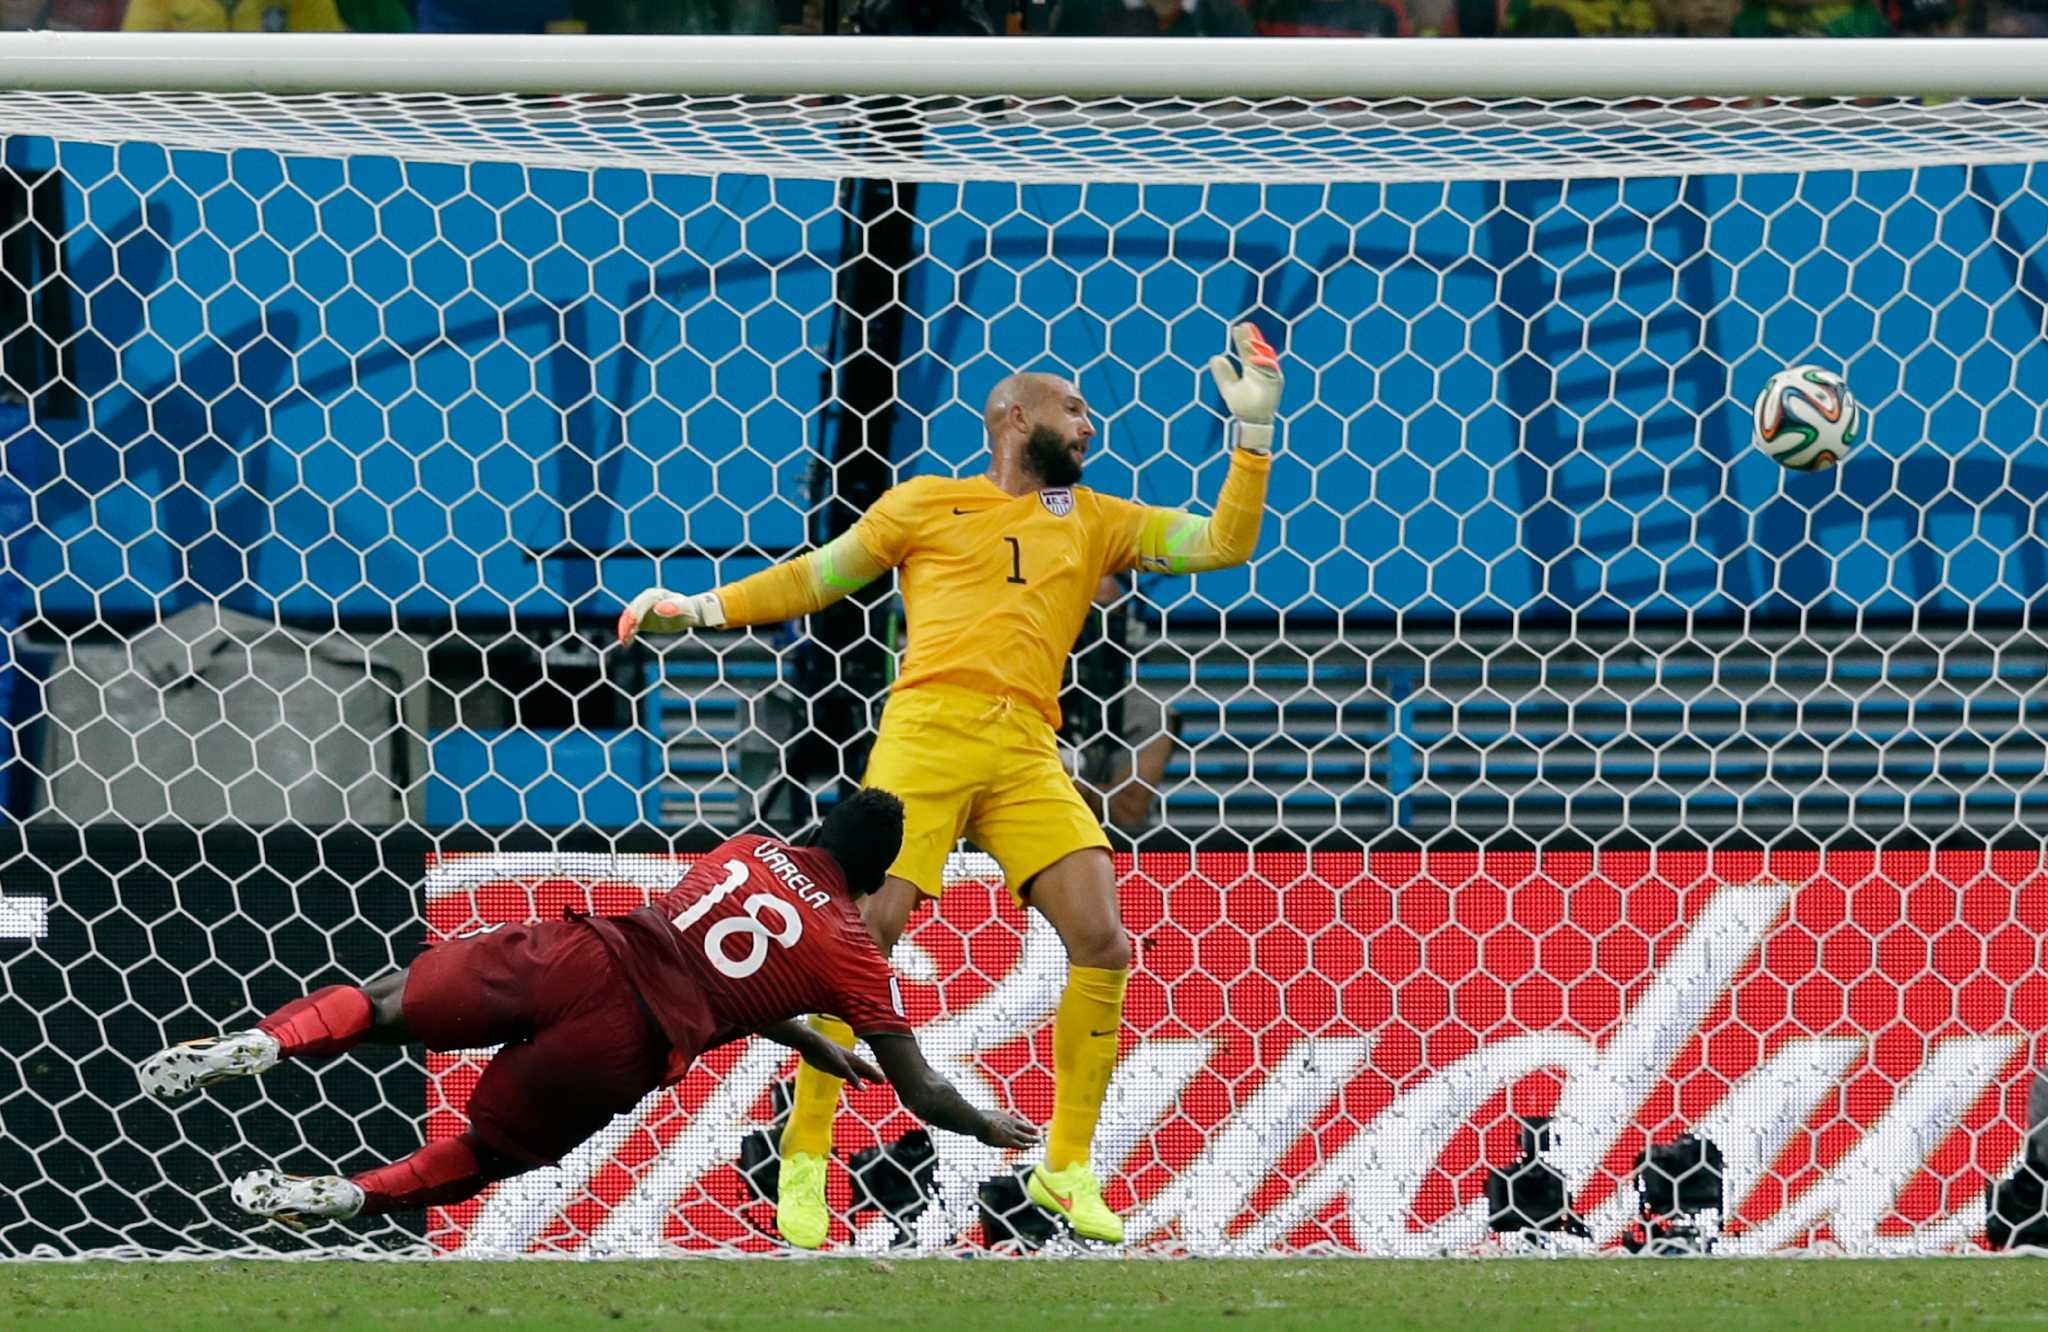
1080, 67
1560, 772
1514, 109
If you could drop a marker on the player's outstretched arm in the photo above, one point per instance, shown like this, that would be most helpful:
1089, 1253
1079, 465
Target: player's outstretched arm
822, 1053
1172, 541
933, 1099
801, 586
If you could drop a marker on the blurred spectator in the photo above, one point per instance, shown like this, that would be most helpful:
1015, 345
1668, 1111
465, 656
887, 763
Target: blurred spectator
1811, 18
1705, 18
1930, 18
929, 18
1330, 18
375, 15
1698, 18
1151, 18
698, 17
1582, 18
1455, 18
60, 15
2016, 18
494, 15
232, 16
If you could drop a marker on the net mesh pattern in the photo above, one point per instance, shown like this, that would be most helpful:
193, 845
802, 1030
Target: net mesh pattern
959, 138
1560, 777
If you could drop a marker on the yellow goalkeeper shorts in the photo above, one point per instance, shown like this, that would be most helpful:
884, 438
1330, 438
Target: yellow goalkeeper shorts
970, 764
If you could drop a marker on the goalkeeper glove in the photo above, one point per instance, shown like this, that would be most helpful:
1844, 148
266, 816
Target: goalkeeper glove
1254, 396
660, 611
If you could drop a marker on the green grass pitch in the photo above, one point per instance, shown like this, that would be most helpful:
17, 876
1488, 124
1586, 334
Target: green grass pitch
1047, 1296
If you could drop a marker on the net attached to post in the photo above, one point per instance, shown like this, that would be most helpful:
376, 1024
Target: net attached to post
1561, 777
1058, 139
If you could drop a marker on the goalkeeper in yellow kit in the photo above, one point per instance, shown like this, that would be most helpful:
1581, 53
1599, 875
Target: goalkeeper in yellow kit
997, 575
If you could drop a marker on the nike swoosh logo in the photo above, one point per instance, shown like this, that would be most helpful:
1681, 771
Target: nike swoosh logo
1065, 1200
958, 512
1110, 1032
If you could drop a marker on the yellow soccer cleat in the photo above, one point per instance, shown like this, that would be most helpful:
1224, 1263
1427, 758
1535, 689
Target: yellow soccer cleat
800, 1201
1076, 1194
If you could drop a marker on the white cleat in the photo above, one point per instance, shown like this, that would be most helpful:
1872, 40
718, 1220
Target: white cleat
185, 1068
296, 1199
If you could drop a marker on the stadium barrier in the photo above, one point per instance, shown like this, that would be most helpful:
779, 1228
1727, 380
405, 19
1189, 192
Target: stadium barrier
1326, 1050
1325, 1053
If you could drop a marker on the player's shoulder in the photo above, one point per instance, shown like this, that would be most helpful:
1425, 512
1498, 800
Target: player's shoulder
904, 503
927, 504
931, 490
856, 942
1091, 502
917, 489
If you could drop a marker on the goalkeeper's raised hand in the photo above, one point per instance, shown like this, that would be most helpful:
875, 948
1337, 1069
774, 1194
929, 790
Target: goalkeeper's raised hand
1253, 396
660, 611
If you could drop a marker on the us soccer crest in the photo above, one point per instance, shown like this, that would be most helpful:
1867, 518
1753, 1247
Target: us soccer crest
1060, 502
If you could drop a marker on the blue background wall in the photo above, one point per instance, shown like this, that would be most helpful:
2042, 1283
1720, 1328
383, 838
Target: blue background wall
319, 387
373, 390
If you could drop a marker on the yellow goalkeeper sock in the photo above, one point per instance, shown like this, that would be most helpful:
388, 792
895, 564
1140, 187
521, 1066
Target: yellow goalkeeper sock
1084, 1049
809, 1128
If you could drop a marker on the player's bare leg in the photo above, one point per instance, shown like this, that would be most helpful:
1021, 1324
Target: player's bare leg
800, 1211
1077, 895
327, 1022
437, 1175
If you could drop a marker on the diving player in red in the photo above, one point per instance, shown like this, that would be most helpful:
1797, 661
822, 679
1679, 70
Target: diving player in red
595, 1012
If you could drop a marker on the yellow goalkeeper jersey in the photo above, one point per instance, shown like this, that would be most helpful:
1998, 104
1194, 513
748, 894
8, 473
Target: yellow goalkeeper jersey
997, 586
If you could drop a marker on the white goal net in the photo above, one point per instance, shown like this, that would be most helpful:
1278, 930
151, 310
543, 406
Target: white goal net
1562, 789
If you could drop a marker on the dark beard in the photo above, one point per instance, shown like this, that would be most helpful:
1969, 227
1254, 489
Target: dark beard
1045, 452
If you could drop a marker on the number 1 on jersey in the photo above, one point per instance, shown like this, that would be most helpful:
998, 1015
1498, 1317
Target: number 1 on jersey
1016, 561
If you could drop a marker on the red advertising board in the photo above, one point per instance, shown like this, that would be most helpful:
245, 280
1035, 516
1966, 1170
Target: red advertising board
1328, 1051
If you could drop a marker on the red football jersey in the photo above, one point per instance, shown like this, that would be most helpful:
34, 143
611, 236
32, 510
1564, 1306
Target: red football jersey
758, 931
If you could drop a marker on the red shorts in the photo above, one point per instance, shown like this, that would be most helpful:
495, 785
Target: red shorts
579, 1046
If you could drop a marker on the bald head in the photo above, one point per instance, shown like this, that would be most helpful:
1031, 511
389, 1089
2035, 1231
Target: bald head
1028, 390
1038, 431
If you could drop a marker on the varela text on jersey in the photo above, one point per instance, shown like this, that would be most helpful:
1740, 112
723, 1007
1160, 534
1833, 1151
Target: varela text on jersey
785, 869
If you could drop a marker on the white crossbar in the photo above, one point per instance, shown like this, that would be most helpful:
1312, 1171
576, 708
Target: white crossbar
1073, 67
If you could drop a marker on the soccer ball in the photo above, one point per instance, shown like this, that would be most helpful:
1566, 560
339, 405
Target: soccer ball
1806, 419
